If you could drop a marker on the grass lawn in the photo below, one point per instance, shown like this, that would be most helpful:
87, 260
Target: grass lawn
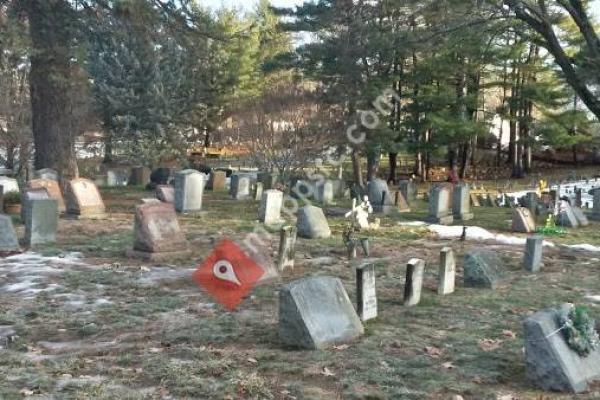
111, 328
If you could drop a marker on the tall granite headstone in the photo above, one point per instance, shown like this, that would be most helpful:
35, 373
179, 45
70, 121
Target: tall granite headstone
439, 205
366, 293
41, 221
380, 196
312, 223
415, 270
287, 248
189, 189
461, 203
532, 260
240, 186
447, 271
269, 212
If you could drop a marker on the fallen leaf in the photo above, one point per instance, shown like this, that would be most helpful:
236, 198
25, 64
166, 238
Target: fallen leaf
341, 347
327, 372
433, 352
489, 344
252, 360
509, 334
448, 365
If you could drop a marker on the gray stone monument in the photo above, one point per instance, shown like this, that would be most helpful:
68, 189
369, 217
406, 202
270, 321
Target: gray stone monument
287, 248
380, 197
315, 313
269, 212
461, 203
483, 269
32, 194
409, 191
550, 363
325, 194
415, 270
532, 260
8, 237
439, 205
117, 177
312, 223
46, 173
366, 294
240, 186
189, 189
566, 217
41, 221
165, 193
257, 191
447, 271
523, 221
531, 202
157, 235
580, 216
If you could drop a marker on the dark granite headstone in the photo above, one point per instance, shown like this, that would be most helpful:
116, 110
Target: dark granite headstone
483, 268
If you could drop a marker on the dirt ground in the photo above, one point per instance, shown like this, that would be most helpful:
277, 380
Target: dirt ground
78, 320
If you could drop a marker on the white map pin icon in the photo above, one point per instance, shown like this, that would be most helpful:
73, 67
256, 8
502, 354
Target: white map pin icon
224, 270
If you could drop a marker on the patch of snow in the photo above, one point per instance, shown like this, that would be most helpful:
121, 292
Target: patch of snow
584, 247
412, 223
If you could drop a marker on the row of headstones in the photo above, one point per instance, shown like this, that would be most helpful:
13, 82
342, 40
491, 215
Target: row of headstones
569, 216
449, 202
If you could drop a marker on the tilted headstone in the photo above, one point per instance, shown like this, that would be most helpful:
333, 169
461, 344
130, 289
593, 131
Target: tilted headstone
8, 237
312, 223
483, 269
217, 181
461, 203
41, 221
117, 177
9, 184
566, 217
532, 260
523, 221
439, 202
287, 248
53, 190
83, 199
157, 234
240, 186
415, 270
189, 189
257, 191
325, 193
268, 179
530, 202
165, 193
46, 173
550, 363
409, 191
447, 271
315, 313
582, 219
269, 212
366, 293
140, 176
339, 187
380, 196
400, 202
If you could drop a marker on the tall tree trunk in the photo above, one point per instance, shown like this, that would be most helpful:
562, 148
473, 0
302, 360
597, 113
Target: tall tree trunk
50, 86
356, 168
392, 177
108, 148
372, 164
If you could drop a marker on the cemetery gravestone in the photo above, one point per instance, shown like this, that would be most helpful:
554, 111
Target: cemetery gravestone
240, 187
268, 179
400, 202
483, 269
41, 221
270, 207
474, 200
566, 216
315, 313
523, 221
408, 190
140, 176
439, 202
287, 247
596, 210
165, 193
53, 190
312, 223
189, 189
46, 173
9, 184
549, 361
117, 177
257, 190
8, 236
83, 200
217, 181
531, 201
580, 216
533, 253
461, 203
157, 234
32, 194
366, 293
325, 193
414, 282
447, 271
380, 197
